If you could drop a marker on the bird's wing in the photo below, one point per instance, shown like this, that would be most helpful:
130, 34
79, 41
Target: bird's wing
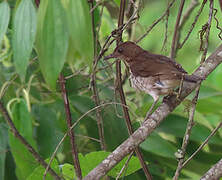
147, 64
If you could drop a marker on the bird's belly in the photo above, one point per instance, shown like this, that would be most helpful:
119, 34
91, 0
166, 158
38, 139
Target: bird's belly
141, 83
154, 86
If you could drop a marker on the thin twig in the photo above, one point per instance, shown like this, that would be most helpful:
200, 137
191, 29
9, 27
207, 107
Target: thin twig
187, 13
99, 118
187, 134
87, 137
125, 166
94, 7
14, 130
203, 144
75, 73
176, 29
166, 30
121, 92
6, 85
70, 132
220, 3
208, 30
129, 13
155, 22
193, 24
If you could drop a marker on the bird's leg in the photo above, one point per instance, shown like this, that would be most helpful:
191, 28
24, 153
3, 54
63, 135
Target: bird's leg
151, 108
180, 88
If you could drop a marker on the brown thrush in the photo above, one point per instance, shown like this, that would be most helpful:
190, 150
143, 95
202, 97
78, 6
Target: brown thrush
152, 73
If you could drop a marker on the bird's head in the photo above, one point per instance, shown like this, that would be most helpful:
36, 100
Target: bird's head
126, 51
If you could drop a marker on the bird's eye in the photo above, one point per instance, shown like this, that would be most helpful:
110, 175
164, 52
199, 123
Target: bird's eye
120, 50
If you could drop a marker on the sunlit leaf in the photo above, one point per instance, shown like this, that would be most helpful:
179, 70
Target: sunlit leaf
52, 39
4, 19
24, 30
68, 171
80, 28
91, 160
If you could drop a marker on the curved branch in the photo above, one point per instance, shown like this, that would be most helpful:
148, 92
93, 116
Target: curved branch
154, 120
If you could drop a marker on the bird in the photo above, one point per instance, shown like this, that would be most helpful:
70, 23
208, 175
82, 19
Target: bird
154, 74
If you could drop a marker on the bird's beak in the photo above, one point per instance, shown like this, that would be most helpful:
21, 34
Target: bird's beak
109, 56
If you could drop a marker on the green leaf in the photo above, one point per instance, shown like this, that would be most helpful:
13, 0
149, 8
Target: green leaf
91, 160
159, 146
24, 160
52, 39
68, 171
206, 106
80, 28
4, 19
47, 133
117, 2
39, 171
3, 148
178, 125
24, 27
133, 166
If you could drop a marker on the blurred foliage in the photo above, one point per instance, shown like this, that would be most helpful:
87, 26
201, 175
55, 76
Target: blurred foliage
30, 63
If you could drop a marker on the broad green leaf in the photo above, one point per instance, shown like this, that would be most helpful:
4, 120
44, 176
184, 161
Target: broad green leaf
39, 171
24, 30
159, 146
4, 19
52, 39
178, 125
80, 28
91, 160
24, 160
206, 106
3, 148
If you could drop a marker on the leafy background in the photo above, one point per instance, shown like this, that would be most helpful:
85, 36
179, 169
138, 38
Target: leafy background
36, 44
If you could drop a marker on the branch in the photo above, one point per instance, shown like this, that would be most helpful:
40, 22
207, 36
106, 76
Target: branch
37, 157
70, 132
187, 134
213, 173
154, 120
